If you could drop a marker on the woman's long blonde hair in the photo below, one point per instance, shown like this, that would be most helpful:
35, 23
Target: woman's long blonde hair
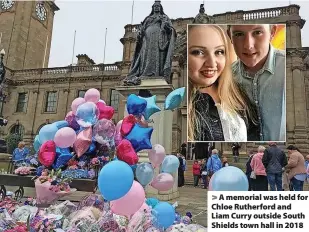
232, 98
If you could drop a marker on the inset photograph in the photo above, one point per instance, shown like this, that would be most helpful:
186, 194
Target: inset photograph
236, 82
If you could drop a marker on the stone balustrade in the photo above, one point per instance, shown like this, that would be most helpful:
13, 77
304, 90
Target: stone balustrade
237, 15
105, 69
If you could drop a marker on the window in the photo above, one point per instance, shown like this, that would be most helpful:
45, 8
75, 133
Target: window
51, 102
114, 99
81, 93
22, 102
17, 129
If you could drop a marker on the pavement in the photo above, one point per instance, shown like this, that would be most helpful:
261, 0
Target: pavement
193, 200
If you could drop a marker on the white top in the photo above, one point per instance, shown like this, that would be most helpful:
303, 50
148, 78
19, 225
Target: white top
234, 127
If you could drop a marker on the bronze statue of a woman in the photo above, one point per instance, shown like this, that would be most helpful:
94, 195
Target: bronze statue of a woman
154, 48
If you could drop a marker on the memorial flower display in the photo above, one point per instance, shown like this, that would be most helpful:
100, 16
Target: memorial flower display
88, 144
50, 187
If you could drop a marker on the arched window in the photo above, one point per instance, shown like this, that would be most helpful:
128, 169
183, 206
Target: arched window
18, 129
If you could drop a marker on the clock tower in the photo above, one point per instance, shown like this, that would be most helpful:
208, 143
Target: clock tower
25, 32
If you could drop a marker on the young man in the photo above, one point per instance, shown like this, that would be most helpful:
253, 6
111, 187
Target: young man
274, 160
260, 71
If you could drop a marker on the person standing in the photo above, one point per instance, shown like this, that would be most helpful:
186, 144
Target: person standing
235, 149
183, 149
249, 170
204, 173
296, 168
196, 173
307, 167
260, 182
213, 164
181, 176
20, 153
274, 161
224, 162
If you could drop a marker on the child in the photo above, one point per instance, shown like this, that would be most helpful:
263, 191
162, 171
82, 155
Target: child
196, 173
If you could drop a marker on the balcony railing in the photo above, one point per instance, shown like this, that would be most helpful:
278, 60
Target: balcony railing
240, 15
64, 70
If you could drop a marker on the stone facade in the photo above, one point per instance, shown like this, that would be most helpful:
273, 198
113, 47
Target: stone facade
25, 38
28, 85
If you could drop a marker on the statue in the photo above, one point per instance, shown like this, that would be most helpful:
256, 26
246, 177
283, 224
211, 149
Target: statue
203, 18
154, 48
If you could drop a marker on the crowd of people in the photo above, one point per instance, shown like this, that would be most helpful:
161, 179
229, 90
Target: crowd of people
270, 166
266, 168
202, 170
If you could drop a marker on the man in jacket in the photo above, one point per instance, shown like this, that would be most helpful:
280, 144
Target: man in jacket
296, 168
274, 160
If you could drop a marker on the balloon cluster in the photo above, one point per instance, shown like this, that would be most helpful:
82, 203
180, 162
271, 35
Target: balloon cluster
132, 135
86, 131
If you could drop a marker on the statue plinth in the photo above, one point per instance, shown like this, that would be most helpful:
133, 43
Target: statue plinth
162, 128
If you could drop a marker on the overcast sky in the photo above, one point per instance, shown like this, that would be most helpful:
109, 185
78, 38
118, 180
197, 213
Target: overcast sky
90, 18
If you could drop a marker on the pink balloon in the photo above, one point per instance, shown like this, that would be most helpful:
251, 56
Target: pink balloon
92, 95
138, 220
83, 141
129, 203
103, 130
163, 182
76, 103
156, 155
65, 137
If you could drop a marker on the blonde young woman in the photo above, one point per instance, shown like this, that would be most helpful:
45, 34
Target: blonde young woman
218, 109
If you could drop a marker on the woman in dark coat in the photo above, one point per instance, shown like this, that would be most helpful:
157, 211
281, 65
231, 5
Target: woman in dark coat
181, 176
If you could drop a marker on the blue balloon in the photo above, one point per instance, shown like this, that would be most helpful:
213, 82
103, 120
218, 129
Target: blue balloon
47, 132
133, 167
62, 160
61, 124
144, 173
164, 215
136, 105
151, 107
87, 114
115, 180
170, 164
152, 202
37, 143
229, 179
140, 137
174, 99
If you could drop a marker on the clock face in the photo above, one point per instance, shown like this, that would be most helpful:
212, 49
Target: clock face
40, 11
7, 4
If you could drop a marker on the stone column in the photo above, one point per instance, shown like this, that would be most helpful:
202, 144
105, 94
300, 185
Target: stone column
300, 137
162, 128
294, 38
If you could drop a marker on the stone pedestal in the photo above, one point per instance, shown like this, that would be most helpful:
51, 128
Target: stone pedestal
162, 123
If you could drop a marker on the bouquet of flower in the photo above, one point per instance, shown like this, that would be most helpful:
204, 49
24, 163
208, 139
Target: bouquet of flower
24, 171
50, 187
